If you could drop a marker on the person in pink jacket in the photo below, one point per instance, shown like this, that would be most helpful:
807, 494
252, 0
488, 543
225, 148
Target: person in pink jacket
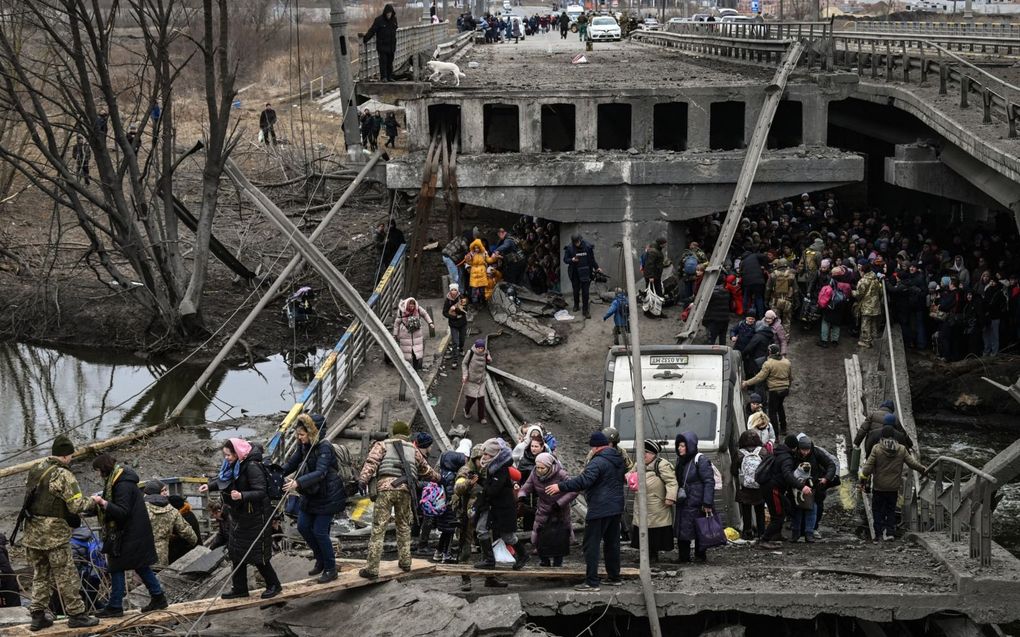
551, 533
409, 332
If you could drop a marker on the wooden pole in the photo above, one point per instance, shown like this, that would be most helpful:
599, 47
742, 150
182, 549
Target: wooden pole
644, 568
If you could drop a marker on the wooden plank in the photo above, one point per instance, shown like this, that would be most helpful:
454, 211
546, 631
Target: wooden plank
348, 580
526, 572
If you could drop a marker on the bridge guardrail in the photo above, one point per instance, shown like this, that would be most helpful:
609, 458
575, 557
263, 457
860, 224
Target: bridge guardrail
961, 43
337, 370
410, 40
936, 503
992, 29
752, 30
753, 50
999, 99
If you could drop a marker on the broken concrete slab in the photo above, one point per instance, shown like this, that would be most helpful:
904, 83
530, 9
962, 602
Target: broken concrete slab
200, 561
409, 611
732, 630
496, 615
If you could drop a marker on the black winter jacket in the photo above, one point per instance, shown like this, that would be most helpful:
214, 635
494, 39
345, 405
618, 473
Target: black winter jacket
319, 485
497, 497
602, 481
248, 515
127, 534
718, 305
752, 268
384, 31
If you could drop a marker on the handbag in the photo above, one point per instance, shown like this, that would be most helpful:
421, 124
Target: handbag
709, 531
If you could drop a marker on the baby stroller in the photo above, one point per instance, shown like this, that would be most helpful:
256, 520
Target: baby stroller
300, 309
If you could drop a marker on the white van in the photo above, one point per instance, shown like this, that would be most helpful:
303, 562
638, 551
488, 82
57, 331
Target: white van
686, 388
574, 11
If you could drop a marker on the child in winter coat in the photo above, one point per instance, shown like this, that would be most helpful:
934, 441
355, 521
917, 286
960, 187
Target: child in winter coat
476, 261
450, 463
733, 286
620, 311
804, 511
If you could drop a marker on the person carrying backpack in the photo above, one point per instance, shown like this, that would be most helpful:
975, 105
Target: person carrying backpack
437, 503
833, 294
750, 495
243, 483
317, 481
620, 311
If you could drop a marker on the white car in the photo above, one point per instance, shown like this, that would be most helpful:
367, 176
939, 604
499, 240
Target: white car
604, 27
650, 24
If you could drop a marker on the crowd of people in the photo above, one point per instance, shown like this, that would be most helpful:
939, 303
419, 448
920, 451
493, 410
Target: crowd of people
506, 28
522, 254
953, 288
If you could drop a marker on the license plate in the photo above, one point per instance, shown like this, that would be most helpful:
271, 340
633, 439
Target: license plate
668, 360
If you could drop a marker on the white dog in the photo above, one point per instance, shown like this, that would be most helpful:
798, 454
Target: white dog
442, 68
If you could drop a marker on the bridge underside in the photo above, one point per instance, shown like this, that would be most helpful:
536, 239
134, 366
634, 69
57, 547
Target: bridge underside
595, 187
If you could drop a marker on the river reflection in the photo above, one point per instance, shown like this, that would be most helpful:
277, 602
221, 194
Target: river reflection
44, 391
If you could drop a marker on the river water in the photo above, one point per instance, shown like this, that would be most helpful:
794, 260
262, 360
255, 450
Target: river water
44, 391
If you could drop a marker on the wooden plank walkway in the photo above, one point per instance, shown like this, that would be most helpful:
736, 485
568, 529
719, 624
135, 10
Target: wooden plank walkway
348, 579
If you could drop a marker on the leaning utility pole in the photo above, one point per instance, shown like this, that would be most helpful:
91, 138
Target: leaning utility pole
644, 569
345, 79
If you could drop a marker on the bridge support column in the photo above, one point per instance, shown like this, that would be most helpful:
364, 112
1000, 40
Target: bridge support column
416, 122
586, 116
641, 125
815, 109
529, 115
752, 107
698, 124
472, 127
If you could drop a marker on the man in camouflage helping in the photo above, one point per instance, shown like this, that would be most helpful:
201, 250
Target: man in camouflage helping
52, 504
395, 466
781, 292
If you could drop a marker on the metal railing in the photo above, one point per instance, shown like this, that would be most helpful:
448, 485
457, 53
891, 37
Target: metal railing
992, 29
940, 508
998, 46
419, 38
752, 30
892, 59
336, 371
765, 51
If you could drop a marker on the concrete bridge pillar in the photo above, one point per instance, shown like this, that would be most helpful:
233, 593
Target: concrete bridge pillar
416, 119
586, 116
698, 123
641, 130
529, 114
472, 127
815, 109
752, 108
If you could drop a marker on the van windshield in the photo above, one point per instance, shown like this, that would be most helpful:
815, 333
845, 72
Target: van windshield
667, 417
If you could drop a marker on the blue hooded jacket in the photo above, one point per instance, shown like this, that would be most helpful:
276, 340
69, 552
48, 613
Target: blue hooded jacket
603, 482
698, 482
619, 310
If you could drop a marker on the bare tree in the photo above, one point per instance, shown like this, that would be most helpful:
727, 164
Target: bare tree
220, 74
63, 73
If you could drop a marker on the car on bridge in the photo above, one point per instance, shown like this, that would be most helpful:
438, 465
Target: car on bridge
686, 388
650, 24
604, 28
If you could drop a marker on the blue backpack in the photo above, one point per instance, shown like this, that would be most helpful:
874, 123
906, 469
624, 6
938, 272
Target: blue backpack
690, 265
433, 499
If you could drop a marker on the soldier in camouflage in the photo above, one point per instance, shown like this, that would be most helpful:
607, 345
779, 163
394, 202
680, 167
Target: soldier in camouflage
868, 295
166, 521
781, 292
52, 499
394, 498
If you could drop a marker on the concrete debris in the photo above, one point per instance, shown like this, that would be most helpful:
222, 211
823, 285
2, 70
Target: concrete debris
497, 614
505, 310
16, 615
529, 631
